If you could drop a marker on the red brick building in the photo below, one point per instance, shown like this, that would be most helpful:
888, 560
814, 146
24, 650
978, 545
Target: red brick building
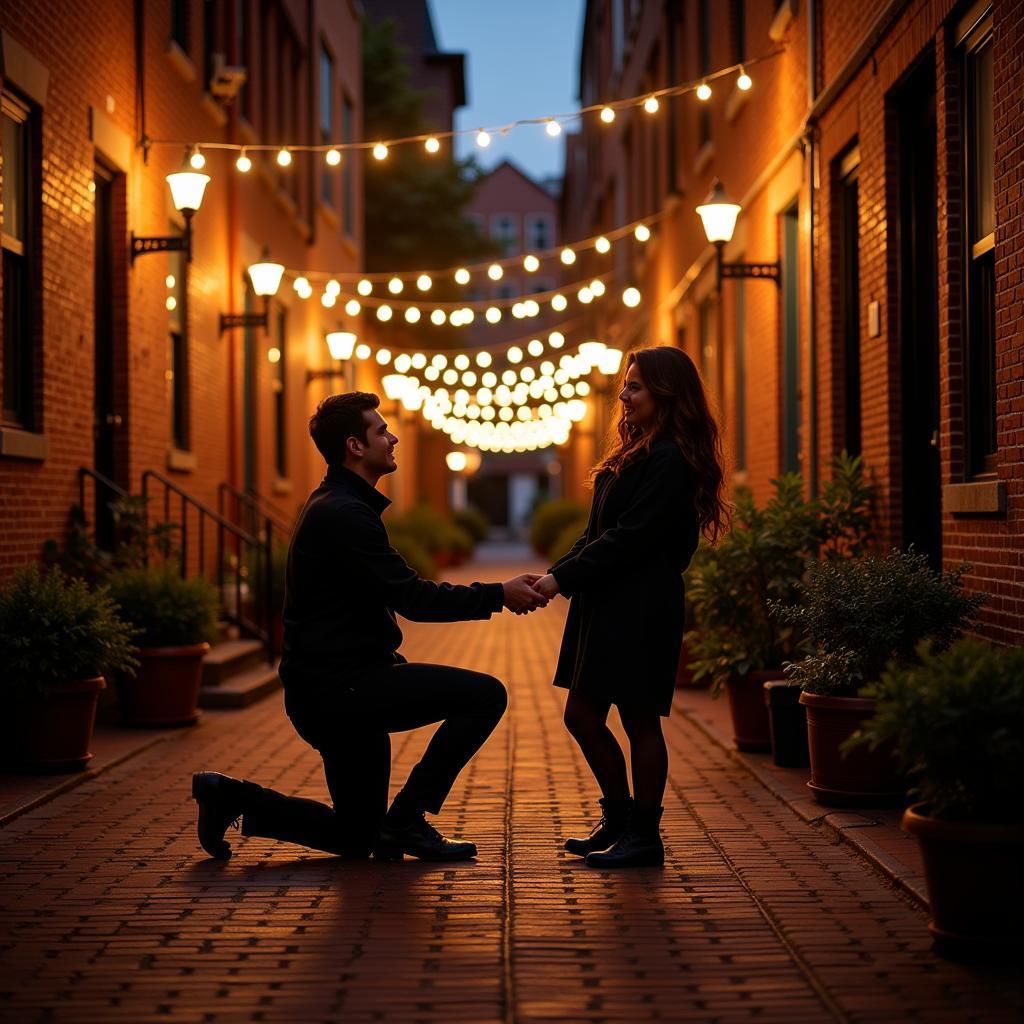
877, 158
98, 370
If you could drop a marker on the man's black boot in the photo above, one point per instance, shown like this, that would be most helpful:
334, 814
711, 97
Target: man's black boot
640, 845
222, 801
608, 831
415, 836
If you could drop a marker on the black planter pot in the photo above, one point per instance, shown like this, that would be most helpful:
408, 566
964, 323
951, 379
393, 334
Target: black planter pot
788, 723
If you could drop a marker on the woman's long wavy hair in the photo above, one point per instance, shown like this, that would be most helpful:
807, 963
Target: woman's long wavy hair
682, 414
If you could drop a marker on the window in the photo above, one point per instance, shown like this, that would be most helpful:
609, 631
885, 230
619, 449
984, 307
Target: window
979, 201
177, 325
20, 195
739, 31
847, 284
789, 231
538, 231
739, 400
326, 121
704, 68
347, 118
179, 23
505, 231
280, 396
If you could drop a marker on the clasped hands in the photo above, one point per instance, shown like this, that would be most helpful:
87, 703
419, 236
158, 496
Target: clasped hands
530, 591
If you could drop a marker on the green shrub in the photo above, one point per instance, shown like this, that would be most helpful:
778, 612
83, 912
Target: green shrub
550, 519
413, 551
426, 524
254, 575
55, 630
859, 614
167, 610
567, 536
956, 722
457, 540
473, 521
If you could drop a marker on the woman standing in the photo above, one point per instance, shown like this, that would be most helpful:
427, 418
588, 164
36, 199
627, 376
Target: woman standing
657, 489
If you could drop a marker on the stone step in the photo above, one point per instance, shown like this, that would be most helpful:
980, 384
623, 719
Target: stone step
230, 658
242, 688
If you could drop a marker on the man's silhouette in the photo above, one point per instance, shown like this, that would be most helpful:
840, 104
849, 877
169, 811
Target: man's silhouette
346, 686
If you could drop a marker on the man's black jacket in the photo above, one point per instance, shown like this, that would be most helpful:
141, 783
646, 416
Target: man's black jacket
345, 583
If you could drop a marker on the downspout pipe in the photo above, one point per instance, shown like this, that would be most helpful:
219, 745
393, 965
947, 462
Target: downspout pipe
811, 157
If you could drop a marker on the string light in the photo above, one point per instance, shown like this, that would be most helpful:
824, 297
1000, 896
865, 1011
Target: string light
432, 145
384, 313
514, 354
243, 163
462, 276
530, 264
273, 354
196, 159
483, 359
300, 284
395, 286
495, 272
383, 356
602, 245
352, 307
597, 287
607, 115
438, 317
380, 151
363, 351
568, 257
493, 314
744, 82
558, 303
333, 157
423, 282
483, 139
631, 297
284, 157
642, 233
703, 92
553, 128
412, 315
651, 104
327, 300
364, 287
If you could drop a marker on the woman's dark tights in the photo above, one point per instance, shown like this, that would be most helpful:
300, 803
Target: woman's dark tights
586, 721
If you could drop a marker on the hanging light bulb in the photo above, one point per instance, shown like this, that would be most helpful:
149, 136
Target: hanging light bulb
585, 295
493, 314
363, 351
461, 361
384, 313
483, 139
531, 263
333, 288
559, 302
602, 245
423, 282
642, 233
607, 115
531, 307
495, 272
597, 287
631, 297
403, 361
517, 310
468, 315
438, 317
364, 287
352, 307
703, 92
651, 104
440, 361
431, 145
395, 286
284, 157
333, 157
196, 159
383, 356
744, 82
462, 276
556, 339
412, 315
419, 360
327, 300
171, 303
380, 151
567, 256
243, 163
515, 354
299, 284
455, 318
536, 347
450, 377
483, 359
552, 127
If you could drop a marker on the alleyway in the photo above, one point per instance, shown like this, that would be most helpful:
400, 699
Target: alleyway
110, 912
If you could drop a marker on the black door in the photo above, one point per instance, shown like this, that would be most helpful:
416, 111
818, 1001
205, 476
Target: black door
106, 420
918, 315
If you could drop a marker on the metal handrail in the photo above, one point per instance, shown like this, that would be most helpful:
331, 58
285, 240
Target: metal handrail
100, 480
228, 534
255, 503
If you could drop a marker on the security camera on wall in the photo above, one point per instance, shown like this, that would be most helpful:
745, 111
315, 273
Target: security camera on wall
225, 80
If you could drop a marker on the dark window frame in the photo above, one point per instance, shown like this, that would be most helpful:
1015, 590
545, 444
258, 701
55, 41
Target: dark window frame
846, 281
280, 386
179, 33
178, 353
325, 126
20, 258
703, 68
348, 112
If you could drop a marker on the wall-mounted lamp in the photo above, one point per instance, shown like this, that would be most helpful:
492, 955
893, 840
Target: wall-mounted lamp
266, 279
187, 188
718, 214
340, 344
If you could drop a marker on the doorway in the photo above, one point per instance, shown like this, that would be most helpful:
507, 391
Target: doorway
106, 420
918, 315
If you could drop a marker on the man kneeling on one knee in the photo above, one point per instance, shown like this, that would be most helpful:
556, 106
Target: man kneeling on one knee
346, 686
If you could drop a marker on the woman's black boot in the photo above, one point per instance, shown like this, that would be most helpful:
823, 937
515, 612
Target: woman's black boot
608, 831
640, 845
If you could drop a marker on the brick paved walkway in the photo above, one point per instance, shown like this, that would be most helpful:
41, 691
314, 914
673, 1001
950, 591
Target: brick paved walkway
109, 913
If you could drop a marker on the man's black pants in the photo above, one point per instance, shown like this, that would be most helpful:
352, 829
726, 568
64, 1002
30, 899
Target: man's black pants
349, 721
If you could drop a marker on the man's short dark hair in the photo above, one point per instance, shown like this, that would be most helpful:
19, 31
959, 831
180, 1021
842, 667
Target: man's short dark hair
337, 418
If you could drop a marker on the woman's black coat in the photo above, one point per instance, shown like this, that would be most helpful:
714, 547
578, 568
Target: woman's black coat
624, 580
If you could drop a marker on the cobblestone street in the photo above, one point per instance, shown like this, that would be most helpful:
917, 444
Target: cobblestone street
111, 912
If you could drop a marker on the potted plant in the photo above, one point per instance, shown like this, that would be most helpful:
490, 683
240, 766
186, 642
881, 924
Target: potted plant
955, 722
550, 518
858, 615
473, 521
176, 618
57, 641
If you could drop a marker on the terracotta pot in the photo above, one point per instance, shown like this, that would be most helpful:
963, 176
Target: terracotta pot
788, 723
684, 670
974, 884
53, 733
165, 688
864, 778
751, 730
